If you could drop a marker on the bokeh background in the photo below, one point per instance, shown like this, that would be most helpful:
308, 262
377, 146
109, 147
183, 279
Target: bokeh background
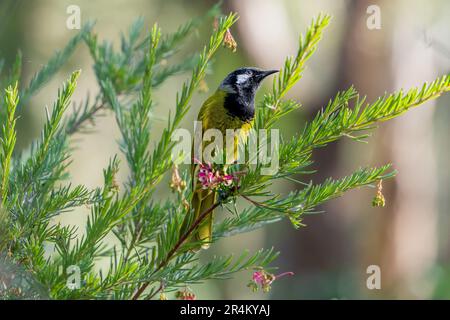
408, 238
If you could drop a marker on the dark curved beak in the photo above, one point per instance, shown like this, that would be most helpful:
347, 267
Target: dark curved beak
264, 74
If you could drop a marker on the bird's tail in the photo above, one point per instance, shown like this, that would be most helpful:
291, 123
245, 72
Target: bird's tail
202, 200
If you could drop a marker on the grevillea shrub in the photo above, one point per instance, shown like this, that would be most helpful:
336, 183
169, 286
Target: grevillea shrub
152, 257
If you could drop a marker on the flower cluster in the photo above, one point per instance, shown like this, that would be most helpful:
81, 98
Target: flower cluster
211, 178
229, 42
379, 200
177, 184
263, 279
228, 39
162, 296
185, 294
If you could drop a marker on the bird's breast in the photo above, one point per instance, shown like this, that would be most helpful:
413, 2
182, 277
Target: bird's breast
217, 114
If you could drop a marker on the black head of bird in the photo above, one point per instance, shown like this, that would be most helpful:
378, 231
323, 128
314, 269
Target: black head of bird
240, 87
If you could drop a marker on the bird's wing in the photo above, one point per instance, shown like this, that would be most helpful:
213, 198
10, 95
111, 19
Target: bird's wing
202, 199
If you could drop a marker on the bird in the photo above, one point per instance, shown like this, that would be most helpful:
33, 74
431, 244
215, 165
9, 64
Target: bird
232, 106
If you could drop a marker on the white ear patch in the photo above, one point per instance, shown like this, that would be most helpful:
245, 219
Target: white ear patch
241, 78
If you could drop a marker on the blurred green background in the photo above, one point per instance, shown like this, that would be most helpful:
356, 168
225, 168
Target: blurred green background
409, 238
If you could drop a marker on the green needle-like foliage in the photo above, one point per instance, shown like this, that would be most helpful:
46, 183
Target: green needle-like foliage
8, 140
54, 64
151, 255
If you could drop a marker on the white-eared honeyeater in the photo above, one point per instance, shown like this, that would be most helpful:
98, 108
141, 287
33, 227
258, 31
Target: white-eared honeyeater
230, 107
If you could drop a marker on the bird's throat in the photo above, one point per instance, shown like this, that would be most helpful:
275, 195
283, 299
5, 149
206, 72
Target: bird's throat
240, 106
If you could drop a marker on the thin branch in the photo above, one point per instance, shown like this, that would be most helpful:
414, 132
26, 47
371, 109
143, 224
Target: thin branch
176, 247
76, 126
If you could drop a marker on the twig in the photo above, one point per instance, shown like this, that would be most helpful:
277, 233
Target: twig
256, 203
156, 291
89, 115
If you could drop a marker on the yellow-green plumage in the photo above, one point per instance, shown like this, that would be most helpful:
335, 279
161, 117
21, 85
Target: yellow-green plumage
213, 115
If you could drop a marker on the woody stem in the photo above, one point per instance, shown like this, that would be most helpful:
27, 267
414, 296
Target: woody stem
175, 248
